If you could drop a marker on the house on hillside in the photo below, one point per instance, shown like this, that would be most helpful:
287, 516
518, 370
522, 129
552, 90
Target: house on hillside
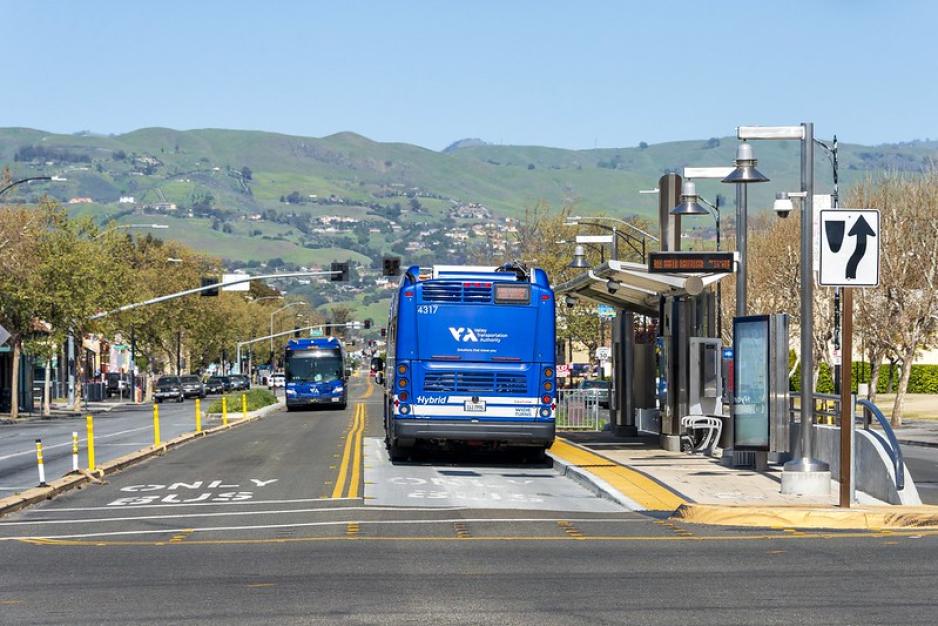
126, 200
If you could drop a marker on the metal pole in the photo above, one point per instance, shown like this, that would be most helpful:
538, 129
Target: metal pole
178, 351
846, 403
71, 370
615, 244
133, 364
716, 209
742, 201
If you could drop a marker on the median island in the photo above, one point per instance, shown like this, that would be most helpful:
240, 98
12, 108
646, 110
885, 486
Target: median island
257, 399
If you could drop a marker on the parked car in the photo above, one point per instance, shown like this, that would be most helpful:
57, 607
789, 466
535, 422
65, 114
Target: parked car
599, 388
277, 380
377, 365
168, 388
216, 384
117, 384
245, 381
192, 387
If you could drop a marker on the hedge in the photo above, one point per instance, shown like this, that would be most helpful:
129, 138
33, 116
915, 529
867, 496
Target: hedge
923, 379
257, 398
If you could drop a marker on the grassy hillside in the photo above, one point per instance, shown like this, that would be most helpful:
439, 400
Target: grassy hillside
505, 178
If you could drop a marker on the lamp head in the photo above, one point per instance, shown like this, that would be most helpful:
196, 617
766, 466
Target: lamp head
579, 259
570, 301
745, 171
612, 286
688, 204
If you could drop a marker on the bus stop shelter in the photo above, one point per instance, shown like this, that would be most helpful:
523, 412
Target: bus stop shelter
684, 305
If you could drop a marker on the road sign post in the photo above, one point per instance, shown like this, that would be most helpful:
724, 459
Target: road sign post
849, 258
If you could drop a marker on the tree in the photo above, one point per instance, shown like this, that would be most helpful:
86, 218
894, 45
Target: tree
900, 316
246, 173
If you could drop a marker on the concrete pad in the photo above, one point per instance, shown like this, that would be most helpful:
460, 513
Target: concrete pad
475, 486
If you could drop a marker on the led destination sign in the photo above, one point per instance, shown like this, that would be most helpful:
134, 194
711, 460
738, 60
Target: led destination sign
691, 262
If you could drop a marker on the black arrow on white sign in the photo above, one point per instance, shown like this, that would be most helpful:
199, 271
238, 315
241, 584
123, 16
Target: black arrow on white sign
861, 230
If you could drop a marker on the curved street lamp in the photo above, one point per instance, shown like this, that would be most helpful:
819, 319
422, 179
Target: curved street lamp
23, 180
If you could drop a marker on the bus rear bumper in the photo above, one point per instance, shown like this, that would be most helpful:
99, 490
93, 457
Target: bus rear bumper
529, 433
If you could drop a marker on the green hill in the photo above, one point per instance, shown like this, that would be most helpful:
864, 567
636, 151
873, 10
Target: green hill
505, 178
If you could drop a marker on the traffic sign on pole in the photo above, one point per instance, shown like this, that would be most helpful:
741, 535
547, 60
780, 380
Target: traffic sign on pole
4, 335
849, 248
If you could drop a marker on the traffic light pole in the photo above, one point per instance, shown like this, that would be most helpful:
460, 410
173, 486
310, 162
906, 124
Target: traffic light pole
241, 344
189, 292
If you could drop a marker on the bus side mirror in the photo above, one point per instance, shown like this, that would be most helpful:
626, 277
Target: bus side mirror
379, 377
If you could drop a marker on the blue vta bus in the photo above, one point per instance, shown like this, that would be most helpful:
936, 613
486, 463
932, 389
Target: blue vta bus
315, 373
470, 359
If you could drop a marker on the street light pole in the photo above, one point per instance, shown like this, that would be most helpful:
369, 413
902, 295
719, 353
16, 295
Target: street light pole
21, 181
283, 308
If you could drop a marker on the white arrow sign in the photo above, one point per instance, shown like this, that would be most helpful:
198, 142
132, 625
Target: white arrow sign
849, 248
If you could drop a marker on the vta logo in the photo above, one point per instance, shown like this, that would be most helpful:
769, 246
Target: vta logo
463, 334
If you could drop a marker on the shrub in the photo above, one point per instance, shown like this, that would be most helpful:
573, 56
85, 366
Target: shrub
257, 399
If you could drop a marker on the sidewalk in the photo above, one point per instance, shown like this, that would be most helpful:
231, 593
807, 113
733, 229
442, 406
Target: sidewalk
916, 432
635, 472
701, 479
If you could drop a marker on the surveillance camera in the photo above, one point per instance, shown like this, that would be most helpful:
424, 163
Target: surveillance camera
570, 301
783, 204
612, 286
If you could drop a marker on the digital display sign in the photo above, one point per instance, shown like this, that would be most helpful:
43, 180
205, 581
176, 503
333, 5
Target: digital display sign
512, 294
751, 408
691, 262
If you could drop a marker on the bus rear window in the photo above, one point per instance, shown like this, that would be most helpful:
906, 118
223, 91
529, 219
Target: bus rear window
512, 294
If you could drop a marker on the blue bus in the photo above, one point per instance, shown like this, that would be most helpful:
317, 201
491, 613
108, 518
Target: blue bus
470, 359
315, 373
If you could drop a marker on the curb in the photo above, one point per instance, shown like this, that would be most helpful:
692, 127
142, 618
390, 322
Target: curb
625, 485
593, 483
921, 444
829, 518
76, 481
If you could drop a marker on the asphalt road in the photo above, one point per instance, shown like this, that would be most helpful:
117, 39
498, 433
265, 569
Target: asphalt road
922, 463
301, 518
117, 432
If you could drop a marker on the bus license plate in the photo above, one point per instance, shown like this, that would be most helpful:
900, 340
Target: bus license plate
474, 407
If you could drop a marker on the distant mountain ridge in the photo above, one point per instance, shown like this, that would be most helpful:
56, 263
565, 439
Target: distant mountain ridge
155, 164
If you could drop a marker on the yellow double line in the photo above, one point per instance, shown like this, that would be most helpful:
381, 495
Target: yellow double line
351, 466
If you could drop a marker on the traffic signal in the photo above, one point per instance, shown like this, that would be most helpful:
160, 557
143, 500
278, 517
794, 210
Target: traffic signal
327, 327
368, 324
340, 272
296, 332
384, 332
391, 266
206, 281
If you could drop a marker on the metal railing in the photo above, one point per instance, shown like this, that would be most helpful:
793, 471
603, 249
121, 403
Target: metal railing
579, 409
893, 449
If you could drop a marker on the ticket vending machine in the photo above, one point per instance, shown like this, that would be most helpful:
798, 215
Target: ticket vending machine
706, 376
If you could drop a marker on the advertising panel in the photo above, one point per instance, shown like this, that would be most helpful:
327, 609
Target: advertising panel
751, 383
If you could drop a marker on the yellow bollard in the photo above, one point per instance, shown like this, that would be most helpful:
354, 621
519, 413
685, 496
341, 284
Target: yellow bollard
89, 423
156, 424
224, 410
198, 415
244, 405
42, 469
74, 451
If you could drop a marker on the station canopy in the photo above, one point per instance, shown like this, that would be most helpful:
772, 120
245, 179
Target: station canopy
638, 290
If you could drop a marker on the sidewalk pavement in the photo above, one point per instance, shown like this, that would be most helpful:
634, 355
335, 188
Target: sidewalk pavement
917, 433
636, 472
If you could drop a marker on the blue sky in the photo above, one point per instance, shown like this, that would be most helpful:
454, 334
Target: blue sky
567, 74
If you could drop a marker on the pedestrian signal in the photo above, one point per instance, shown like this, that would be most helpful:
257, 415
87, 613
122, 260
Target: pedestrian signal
391, 266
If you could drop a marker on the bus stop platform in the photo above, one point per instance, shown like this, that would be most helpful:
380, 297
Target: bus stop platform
703, 491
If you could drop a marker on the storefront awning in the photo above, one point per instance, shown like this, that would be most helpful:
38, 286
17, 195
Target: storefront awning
637, 289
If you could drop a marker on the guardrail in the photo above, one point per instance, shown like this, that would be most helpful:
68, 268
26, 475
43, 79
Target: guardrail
578, 409
894, 450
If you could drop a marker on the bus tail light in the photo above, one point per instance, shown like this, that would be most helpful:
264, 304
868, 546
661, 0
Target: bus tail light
548, 385
402, 369
403, 396
546, 399
404, 409
401, 382
545, 412
548, 373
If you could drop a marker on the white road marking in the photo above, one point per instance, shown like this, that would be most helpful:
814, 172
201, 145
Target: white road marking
160, 506
505, 520
69, 442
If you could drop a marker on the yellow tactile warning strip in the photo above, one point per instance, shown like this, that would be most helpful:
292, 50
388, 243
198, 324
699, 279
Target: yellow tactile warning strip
814, 517
633, 485
351, 465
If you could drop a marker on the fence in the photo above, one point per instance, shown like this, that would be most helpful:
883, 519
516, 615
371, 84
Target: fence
579, 409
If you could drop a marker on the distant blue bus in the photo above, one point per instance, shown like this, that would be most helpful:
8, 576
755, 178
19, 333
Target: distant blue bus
315, 373
471, 358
